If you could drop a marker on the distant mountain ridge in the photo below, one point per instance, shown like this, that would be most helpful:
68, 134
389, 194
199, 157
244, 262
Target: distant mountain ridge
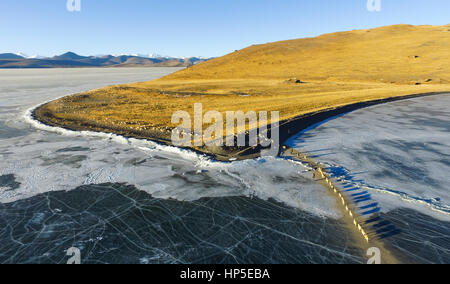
73, 60
10, 56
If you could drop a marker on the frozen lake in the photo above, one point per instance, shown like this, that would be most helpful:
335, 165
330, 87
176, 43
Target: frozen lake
399, 153
399, 150
122, 201
131, 201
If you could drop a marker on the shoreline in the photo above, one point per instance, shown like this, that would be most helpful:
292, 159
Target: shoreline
287, 128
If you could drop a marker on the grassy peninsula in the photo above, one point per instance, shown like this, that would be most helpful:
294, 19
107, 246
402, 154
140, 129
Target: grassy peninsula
296, 77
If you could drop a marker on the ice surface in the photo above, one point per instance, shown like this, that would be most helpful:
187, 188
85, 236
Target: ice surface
114, 223
38, 159
399, 151
127, 200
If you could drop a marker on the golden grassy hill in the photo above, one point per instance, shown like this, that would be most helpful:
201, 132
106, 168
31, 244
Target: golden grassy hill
397, 54
334, 70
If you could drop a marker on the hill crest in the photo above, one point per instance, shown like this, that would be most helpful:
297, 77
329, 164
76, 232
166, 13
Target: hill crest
397, 54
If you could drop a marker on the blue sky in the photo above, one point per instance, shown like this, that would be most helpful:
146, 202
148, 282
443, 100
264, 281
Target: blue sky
192, 27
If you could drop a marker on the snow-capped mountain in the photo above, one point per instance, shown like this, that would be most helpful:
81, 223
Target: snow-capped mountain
29, 56
71, 59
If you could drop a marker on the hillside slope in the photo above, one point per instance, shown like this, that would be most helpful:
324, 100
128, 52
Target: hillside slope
295, 78
400, 54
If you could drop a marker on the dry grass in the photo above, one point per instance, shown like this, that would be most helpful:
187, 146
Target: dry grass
400, 54
337, 69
